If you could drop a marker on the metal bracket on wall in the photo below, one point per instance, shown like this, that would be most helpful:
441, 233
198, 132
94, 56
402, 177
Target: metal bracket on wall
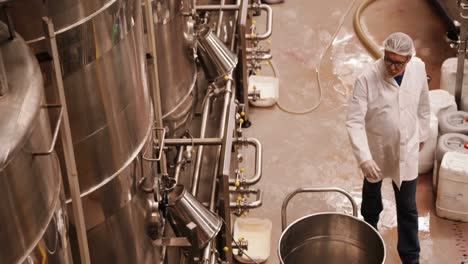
159, 143
56, 130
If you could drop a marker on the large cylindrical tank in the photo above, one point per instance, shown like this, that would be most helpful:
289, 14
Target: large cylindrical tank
102, 59
176, 67
32, 204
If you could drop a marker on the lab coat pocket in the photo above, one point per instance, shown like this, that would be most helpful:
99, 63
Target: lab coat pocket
376, 147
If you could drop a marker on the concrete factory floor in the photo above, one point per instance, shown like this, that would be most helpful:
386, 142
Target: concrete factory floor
313, 149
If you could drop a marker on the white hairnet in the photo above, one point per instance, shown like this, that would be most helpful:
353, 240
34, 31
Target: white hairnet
399, 43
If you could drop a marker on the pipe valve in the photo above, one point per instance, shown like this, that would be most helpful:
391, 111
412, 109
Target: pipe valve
241, 245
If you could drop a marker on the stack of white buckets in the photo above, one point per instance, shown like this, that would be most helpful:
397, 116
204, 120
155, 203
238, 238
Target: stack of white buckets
446, 151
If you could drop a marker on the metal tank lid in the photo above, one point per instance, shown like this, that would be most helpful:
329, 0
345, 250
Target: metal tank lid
21, 93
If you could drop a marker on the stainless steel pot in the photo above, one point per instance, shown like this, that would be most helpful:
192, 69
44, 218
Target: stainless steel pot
329, 237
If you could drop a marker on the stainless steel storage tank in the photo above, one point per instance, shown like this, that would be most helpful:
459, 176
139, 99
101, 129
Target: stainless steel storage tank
176, 66
32, 205
102, 59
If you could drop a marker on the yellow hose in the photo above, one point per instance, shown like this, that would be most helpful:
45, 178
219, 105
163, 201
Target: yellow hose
373, 49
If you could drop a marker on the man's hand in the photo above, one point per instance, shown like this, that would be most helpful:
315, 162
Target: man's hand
371, 170
421, 145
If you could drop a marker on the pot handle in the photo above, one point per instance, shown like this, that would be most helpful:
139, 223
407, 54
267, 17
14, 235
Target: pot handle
303, 190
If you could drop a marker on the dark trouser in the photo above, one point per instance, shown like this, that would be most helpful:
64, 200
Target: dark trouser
407, 215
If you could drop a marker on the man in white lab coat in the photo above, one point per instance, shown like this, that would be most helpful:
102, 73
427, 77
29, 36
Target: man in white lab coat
388, 122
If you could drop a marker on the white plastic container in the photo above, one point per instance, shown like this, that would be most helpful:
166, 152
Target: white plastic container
452, 196
258, 234
451, 142
448, 76
454, 122
267, 87
427, 154
441, 102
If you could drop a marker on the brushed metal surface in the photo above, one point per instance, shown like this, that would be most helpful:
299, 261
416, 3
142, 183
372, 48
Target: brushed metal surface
30, 185
330, 238
176, 68
122, 238
103, 65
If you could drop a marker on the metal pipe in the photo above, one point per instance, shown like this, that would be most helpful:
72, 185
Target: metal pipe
226, 102
252, 205
262, 57
156, 95
313, 190
155, 91
178, 168
195, 141
217, 7
67, 145
258, 160
258, 50
3, 78
56, 131
207, 253
196, 174
228, 98
9, 21
233, 38
220, 19
233, 189
269, 24
213, 257
461, 62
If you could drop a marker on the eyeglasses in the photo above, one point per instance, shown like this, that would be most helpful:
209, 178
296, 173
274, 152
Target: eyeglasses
389, 62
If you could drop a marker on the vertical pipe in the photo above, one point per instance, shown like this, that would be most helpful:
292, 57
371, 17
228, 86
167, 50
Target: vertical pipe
3, 78
233, 38
461, 61
461, 55
155, 91
196, 174
222, 127
220, 20
156, 95
9, 21
67, 144
179, 164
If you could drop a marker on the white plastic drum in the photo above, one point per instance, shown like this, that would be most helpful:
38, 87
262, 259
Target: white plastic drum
268, 89
452, 196
441, 102
454, 122
257, 232
427, 154
449, 75
451, 142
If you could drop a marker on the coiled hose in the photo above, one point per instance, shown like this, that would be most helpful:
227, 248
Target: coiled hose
368, 44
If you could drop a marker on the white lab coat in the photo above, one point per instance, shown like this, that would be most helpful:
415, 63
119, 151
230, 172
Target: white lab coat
386, 122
